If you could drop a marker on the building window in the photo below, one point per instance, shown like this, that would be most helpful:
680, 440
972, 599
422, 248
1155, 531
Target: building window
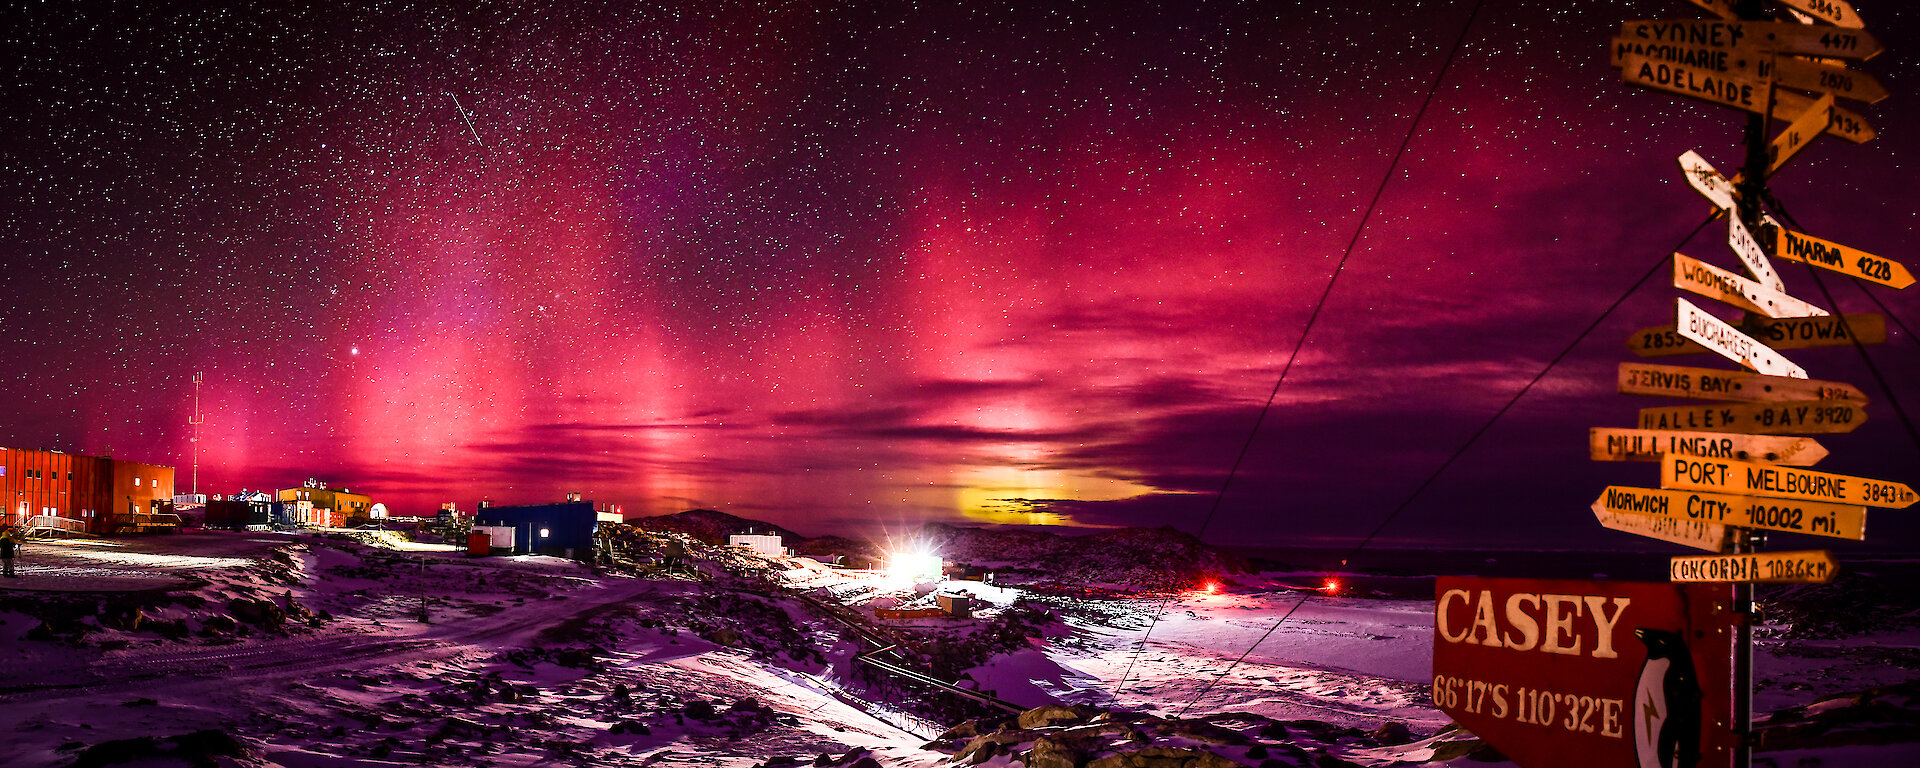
136, 482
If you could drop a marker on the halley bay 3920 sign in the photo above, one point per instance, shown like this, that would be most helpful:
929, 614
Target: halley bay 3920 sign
1585, 673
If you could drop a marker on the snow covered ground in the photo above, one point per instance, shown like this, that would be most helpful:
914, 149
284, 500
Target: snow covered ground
309, 651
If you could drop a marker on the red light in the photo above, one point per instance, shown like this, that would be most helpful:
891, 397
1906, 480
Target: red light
1211, 587
1331, 587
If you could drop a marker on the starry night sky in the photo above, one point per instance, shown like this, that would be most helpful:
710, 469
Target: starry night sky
847, 265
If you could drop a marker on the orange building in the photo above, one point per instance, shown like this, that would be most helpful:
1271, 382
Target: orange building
96, 494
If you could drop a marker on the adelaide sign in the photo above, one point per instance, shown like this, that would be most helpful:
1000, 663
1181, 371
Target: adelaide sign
1587, 673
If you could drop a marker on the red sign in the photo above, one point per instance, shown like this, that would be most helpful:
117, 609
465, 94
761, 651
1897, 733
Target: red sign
1568, 674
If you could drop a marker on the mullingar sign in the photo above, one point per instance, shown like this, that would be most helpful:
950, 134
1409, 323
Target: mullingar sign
1573, 674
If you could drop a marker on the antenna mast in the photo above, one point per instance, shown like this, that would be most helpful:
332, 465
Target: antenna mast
195, 421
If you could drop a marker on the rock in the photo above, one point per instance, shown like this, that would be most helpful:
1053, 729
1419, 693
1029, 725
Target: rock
1051, 714
218, 625
621, 693
1163, 757
699, 709
997, 738
633, 727
1051, 752
1392, 732
1202, 731
260, 613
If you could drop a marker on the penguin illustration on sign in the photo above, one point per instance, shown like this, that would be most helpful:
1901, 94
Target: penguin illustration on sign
1666, 703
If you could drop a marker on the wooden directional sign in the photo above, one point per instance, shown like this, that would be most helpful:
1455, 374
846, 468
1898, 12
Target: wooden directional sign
1690, 274
1795, 246
1809, 567
1794, 417
1740, 239
1839, 521
1835, 12
1720, 8
1708, 181
1737, 91
1779, 37
1799, 134
1841, 123
1785, 333
1716, 384
1717, 336
1756, 64
1609, 444
1809, 75
1711, 537
1750, 479
1743, 93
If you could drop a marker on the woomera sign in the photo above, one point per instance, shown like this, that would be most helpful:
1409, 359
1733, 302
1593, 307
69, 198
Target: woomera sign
1691, 274
1586, 673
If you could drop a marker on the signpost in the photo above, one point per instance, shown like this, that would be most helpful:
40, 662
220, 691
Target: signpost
1800, 133
1708, 181
1831, 256
1714, 334
1835, 12
1777, 37
1691, 274
1716, 384
1756, 64
1839, 521
1541, 669
1712, 537
1751, 479
1793, 417
1607, 444
1753, 255
1783, 333
1809, 567
1737, 91
1585, 674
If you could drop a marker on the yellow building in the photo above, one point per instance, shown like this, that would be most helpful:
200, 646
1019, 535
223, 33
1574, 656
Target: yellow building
315, 504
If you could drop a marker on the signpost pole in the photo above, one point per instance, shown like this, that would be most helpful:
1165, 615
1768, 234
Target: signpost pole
1752, 187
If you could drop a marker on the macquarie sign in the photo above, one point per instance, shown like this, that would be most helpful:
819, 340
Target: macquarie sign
1565, 673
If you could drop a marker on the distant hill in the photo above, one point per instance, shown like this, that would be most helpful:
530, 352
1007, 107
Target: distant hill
1150, 557
711, 526
1159, 558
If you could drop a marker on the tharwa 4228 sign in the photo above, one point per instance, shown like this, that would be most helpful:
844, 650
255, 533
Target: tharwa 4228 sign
1578, 674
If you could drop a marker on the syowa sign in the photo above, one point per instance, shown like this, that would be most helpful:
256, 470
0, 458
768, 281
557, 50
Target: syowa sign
1587, 673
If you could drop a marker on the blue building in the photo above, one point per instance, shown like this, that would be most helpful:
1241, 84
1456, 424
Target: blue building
564, 529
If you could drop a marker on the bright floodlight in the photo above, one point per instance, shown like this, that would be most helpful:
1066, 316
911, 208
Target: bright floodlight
915, 566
